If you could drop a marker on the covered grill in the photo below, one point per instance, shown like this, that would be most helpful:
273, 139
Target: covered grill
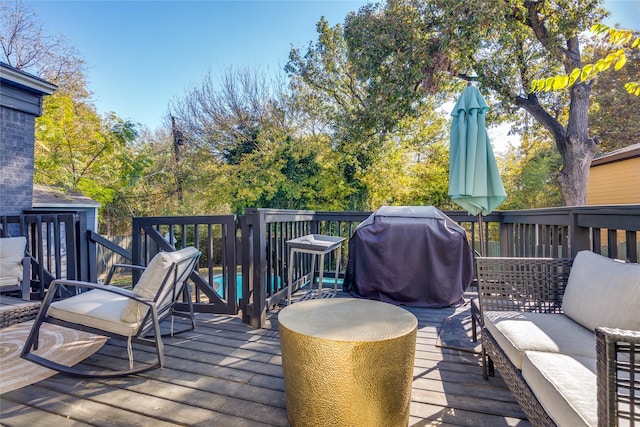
411, 255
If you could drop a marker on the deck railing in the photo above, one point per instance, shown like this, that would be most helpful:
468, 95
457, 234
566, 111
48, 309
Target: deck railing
56, 243
562, 232
555, 232
214, 283
264, 253
251, 249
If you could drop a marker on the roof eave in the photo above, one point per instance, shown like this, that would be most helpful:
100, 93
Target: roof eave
30, 82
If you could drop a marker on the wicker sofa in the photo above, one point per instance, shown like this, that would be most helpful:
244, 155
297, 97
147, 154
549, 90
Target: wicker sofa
565, 336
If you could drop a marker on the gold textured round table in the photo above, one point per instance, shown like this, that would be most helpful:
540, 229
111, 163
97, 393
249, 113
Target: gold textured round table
347, 362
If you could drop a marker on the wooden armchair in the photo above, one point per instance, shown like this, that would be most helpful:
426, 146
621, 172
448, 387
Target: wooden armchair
130, 316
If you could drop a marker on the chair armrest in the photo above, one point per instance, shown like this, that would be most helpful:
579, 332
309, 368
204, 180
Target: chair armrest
131, 266
522, 284
88, 285
618, 370
114, 267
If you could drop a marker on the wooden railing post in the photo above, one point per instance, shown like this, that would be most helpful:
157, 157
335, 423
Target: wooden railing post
259, 314
579, 237
84, 258
506, 239
244, 258
92, 254
136, 248
253, 264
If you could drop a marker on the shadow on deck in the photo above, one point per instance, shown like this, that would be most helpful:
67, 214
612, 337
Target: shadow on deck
227, 374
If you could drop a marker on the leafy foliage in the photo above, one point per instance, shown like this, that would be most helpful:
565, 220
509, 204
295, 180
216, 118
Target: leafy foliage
256, 132
613, 113
502, 46
620, 44
325, 73
529, 175
354, 126
77, 149
366, 101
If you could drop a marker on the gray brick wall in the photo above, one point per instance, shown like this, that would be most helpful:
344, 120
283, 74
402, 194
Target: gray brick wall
16, 160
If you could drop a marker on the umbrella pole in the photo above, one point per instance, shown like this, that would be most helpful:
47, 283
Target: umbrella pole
480, 228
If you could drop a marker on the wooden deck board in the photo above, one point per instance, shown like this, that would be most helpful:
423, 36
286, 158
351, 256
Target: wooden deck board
227, 374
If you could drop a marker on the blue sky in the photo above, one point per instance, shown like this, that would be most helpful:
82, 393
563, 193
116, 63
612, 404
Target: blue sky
143, 54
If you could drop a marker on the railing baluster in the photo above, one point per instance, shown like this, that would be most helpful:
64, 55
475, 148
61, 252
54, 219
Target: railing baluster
612, 243
632, 246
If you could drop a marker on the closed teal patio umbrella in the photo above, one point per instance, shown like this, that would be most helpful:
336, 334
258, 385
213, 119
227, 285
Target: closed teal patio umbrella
474, 180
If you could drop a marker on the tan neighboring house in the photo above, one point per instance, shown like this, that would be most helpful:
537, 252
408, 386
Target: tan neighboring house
614, 178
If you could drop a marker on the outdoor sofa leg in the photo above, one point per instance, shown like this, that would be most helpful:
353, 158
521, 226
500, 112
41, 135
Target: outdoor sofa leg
484, 365
488, 370
474, 326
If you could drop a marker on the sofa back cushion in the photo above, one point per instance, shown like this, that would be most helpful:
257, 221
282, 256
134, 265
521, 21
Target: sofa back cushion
12, 250
603, 292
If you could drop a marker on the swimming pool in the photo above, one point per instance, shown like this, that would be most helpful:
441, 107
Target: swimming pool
327, 281
218, 279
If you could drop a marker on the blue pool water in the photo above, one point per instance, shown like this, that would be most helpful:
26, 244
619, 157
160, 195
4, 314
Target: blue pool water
327, 281
218, 280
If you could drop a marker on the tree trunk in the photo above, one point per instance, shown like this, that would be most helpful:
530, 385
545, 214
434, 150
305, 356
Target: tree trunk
573, 142
577, 149
574, 176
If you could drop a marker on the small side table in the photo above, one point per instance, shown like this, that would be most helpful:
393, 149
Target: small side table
347, 362
315, 244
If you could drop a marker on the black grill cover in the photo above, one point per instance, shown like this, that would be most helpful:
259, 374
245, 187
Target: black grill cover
411, 255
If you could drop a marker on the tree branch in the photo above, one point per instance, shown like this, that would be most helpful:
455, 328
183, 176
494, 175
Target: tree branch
539, 29
531, 105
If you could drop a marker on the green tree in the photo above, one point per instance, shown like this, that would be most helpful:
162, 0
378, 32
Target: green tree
503, 46
158, 185
323, 73
613, 115
430, 182
366, 115
77, 149
529, 172
259, 142
285, 177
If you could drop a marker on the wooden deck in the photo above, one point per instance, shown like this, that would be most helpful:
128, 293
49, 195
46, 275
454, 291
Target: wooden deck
227, 374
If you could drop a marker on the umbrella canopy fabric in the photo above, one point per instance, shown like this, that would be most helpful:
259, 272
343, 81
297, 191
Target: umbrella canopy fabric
474, 180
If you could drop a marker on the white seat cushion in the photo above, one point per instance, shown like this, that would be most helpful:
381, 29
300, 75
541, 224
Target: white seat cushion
603, 292
564, 385
8, 281
12, 250
95, 308
517, 332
